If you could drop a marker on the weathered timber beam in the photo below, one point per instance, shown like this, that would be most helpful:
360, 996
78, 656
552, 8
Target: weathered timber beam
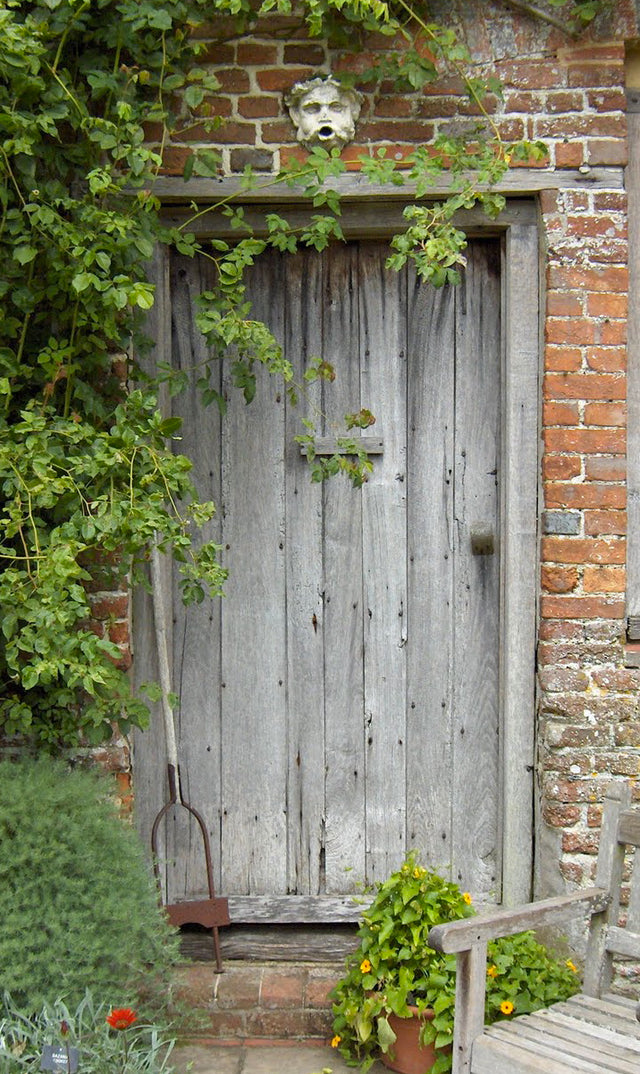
369, 220
462, 935
517, 181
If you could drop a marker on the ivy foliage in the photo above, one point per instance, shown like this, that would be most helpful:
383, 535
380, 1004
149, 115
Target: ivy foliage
91, 474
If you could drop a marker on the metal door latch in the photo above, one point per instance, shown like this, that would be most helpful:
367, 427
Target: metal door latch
482, 543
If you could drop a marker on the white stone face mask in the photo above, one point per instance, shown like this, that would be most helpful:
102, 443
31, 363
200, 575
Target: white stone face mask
323, 112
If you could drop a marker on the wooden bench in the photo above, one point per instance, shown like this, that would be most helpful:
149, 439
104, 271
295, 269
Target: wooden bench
595, 1032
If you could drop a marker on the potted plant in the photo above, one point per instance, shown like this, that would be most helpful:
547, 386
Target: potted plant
394, 982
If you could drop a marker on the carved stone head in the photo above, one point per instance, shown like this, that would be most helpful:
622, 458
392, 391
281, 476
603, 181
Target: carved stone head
323, 112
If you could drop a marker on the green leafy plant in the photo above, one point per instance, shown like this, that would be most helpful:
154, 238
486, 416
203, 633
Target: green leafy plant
394, 969
104, 1044
89, 472
80, 908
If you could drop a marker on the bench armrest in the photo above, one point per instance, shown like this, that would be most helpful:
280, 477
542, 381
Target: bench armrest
464, 934
468, 939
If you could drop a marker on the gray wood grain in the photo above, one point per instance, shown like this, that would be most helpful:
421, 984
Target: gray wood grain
606, 1011
353, 185
633, 908
622, 941
343, 612
286, 943
494, 1055
598, 971
460, 935
148, 747
304, 590
519, 521
383, 380
540, 1037
471, 977
430, 570
253, 663
555, 1023
476, 639
303, 909
591, 1060
333, 445
633, 376
629, 827
318, 697
196, 628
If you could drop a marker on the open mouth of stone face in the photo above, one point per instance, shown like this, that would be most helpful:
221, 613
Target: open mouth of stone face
325, 132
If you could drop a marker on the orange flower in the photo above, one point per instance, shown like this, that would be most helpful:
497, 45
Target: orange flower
574, 969
492, 971
365, 966
336, 1040
121, 1018
506, 1006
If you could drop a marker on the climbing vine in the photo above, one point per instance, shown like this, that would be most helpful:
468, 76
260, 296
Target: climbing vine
89, 472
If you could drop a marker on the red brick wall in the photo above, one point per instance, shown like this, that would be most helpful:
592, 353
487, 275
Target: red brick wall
571, 94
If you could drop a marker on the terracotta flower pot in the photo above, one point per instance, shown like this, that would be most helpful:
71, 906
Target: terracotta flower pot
407, 1056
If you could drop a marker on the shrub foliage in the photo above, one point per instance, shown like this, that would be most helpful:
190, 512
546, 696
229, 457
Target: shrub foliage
80, 909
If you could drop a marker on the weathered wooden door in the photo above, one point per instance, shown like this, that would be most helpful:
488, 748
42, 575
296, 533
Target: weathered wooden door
341, 704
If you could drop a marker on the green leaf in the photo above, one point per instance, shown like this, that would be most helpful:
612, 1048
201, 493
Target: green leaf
187, 170
143, 245
363, 1026
29, 677
158, 18
24, 254
194, 96
170, 426
82, 280
207, 162
386, 1035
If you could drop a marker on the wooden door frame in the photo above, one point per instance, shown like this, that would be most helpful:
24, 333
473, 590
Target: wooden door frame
365, 216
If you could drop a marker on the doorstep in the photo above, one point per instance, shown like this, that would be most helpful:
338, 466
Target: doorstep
259, 1001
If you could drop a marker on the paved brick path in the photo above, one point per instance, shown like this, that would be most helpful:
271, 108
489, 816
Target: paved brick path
291, 1058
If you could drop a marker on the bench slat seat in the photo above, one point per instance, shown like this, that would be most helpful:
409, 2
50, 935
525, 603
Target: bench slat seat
562, 1038
595, 1032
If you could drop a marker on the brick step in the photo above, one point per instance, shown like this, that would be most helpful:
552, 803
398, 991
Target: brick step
260, 1000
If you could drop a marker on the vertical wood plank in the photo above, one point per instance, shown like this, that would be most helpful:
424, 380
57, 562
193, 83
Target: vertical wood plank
475, 765
196, 628
304, 603
632, 183
149, 747
431, 355
343, 632
253, 667
471, 978
383, 348
519, 523
598, 965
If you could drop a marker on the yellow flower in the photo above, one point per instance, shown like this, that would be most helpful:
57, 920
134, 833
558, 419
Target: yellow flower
365, 966
574, 969
506, 1006
467, 898
492, 971
336, 1040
